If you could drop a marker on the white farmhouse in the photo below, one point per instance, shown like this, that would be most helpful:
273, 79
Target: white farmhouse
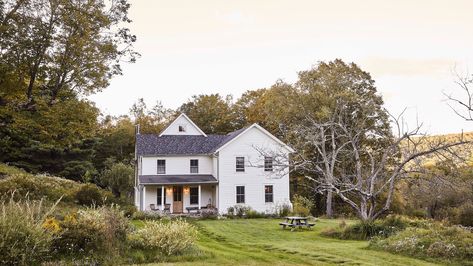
183, 169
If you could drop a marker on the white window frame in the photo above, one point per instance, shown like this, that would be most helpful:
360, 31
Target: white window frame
266, 159
236, 194
157, 167
242, 170
272, 193
193, 167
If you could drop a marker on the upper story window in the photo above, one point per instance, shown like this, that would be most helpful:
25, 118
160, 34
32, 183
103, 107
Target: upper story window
268, 164
194, 166
161, 166
240, 164
182, 128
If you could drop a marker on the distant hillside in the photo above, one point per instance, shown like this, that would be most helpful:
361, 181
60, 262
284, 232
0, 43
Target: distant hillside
464, 150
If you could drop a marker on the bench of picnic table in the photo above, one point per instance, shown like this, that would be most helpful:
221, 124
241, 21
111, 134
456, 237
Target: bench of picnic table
286, 224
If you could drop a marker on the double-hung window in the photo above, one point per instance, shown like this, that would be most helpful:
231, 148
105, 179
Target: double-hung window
194, 195
194, 166
268, 164
161, 166
240, 194
268, 193
240, 164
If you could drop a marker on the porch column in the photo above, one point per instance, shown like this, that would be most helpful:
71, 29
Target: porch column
162, 198
144, 198
199, 196
216, 197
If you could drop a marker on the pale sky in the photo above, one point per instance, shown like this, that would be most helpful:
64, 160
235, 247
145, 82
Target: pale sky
411, 49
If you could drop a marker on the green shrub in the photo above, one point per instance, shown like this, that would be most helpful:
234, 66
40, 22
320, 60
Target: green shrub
251, 214
435, 241
241, 210
302, 205
284, 210
465, 215
366, 230
96, 232
128, 210
38, 187
89, 195
24, 239
169, 238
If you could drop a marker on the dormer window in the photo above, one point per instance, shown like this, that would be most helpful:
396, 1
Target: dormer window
182, 128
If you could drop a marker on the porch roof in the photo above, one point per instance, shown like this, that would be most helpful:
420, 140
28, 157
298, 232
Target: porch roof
177, 179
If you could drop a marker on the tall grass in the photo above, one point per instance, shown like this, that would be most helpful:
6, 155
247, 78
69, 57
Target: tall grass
23, 237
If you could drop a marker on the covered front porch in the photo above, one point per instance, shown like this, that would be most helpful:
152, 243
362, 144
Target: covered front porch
177, 195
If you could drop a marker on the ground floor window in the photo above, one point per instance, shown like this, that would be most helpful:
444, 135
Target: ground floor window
240, 194
194, 195
268, 193
160, 198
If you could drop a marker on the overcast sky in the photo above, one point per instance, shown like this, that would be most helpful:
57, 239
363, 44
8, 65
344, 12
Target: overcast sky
411, 48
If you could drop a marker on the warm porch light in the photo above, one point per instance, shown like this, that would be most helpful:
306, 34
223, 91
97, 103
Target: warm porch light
186, 190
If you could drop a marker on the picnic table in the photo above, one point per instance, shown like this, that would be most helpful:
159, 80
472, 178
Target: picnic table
296, 222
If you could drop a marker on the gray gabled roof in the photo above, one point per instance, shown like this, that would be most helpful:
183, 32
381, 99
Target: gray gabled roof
151, 144
177, 179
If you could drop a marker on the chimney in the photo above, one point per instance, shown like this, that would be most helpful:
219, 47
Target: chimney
137, 129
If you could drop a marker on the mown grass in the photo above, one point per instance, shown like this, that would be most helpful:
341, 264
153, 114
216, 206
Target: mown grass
263, 242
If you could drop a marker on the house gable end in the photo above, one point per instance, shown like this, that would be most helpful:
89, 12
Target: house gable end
261, 129
183, 125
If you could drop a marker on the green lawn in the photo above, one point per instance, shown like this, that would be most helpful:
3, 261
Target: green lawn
263, 242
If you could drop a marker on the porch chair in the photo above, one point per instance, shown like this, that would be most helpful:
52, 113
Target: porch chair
167, 208
153, 207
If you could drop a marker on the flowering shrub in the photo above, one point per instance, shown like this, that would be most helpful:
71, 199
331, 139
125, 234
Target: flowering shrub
238, 210
52, 225
23, 238
169, 238
211, 213
147, 215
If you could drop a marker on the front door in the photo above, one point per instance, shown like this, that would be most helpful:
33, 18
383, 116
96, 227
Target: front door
177, 199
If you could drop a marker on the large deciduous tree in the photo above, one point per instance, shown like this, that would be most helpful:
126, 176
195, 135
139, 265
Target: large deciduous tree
337, 89
52, 53
212, 113
51, 47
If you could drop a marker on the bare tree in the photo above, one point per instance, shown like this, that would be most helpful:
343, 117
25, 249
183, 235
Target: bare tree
463, 105
339, 159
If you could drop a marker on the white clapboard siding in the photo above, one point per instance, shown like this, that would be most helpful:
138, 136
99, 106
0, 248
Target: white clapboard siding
254, 178
177, 165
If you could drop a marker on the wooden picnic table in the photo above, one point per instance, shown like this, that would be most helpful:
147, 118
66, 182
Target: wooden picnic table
296, 222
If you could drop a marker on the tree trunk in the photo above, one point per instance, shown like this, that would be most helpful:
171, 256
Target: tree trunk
328, 203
